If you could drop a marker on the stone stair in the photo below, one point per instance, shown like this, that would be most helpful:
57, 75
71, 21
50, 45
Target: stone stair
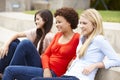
5, 34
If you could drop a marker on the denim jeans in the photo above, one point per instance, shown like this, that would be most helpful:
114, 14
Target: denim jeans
4, 62
23, 73
26, 54
57, 78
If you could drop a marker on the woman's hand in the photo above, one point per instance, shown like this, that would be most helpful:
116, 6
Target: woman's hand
4, 51
47, 73
69, 63
90, 68
87, 70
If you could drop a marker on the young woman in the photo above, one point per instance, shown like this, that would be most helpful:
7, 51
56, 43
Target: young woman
92, 49
59, 53
39, 38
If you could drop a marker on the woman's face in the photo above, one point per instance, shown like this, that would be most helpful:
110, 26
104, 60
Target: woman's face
61, 24
86, 26
39, 21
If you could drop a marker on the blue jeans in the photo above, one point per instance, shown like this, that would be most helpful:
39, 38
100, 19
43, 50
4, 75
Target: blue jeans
57, 78
4, 62
26, 54
23, 73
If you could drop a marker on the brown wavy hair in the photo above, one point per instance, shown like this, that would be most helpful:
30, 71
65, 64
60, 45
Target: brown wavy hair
69, 14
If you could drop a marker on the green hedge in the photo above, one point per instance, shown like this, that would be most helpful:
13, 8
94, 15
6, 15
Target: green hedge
111, 4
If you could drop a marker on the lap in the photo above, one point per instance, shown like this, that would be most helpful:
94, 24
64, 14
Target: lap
25, 70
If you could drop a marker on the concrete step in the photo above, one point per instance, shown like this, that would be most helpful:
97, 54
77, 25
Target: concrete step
16, 21
5, 34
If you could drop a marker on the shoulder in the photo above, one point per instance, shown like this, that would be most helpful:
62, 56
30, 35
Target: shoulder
50, 35
77, 35
58, 34
99, 38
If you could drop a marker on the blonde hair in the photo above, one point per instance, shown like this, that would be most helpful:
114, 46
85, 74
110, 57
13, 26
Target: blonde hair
95, 18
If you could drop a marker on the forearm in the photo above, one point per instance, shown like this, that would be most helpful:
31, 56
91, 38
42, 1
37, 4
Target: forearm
7, 43
70, 63
87, 70
15, 36
99, 65
47, 73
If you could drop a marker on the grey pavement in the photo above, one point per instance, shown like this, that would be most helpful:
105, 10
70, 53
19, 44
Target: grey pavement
17, 15
5, 32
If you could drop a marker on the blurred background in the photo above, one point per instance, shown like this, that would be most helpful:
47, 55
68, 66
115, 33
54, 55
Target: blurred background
23, 5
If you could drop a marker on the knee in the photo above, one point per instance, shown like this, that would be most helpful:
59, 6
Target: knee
8, 70
25, 42
15, 43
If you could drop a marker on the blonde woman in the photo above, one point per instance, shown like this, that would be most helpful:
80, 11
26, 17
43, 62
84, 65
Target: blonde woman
91, 50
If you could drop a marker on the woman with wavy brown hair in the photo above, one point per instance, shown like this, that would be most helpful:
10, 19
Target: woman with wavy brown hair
38, 39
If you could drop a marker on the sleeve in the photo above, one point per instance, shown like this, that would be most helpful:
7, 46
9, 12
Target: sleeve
48, 38
109, 52
46, 55
31, 34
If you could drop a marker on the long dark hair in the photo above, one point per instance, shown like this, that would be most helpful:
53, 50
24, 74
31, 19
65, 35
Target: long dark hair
47, 17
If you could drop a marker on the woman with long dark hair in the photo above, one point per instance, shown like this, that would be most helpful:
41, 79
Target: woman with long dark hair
38, 39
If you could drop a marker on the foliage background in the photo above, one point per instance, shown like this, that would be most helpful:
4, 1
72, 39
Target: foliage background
111, 4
